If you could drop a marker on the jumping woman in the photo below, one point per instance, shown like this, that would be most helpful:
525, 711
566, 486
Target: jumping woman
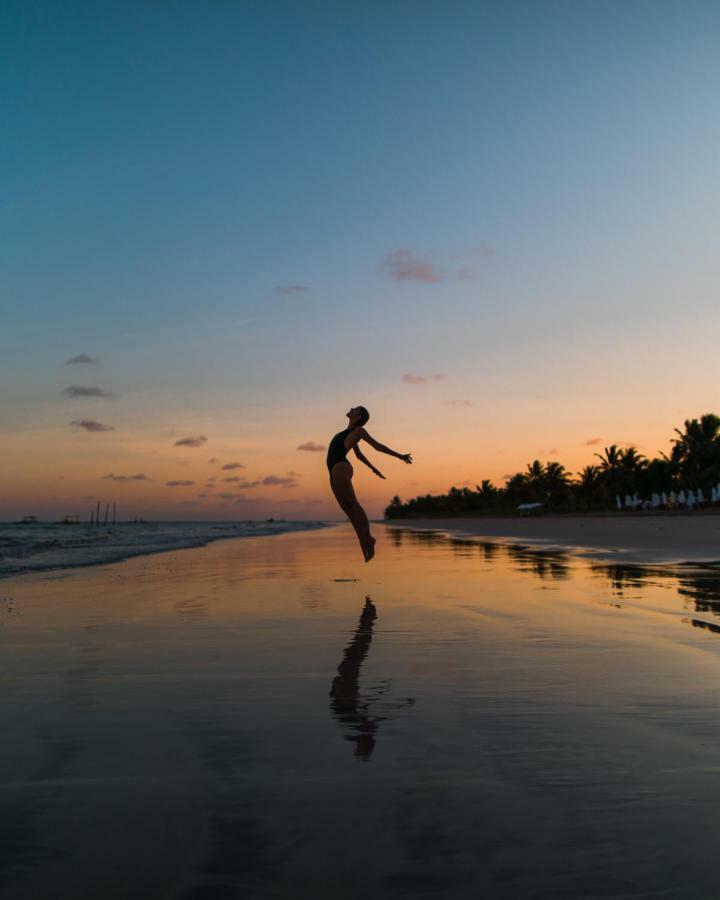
341, 473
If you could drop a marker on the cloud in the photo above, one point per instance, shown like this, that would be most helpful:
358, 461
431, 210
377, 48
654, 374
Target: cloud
196, 441
80, 359
459, 403
213, 459
294, 474
231, 496
77, 391
179, 483
403, 266
203, 495
233, 478
233, 465
291, 288
138, 477
277, 480
409, 378
593, 442
91, 425
552, 451
311, 446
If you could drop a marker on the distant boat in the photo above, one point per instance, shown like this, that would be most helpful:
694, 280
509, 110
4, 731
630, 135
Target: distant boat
71, 520
27, 520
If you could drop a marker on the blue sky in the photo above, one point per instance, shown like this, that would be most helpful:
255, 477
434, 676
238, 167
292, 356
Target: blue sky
174, 173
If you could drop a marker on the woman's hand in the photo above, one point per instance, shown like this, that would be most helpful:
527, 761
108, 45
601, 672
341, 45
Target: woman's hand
379, 474
406, 458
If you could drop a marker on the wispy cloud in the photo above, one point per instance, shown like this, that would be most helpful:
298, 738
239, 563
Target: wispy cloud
139, 477
195, 441
91, 425
311, 446
410, 378
593, 442
279, 480
179, 483
81, 359
403, 265
291, 288
213, 460
77, 391
459, 402
233, 465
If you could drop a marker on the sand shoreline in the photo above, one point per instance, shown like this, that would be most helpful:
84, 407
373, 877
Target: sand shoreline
657, 539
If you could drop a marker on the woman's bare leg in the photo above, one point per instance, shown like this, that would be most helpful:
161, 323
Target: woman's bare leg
341, 484
360, 523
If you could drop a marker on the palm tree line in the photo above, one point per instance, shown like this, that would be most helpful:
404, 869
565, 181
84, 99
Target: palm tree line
692, 465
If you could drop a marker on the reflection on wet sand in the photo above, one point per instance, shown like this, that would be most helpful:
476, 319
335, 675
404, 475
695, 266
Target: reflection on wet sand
701, 586
347, 705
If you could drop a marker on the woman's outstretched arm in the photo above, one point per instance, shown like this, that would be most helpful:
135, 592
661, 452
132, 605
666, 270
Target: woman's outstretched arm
405, 457
361, 456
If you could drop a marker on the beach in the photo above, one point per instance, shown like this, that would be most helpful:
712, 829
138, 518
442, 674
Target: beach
270, 717
625, 537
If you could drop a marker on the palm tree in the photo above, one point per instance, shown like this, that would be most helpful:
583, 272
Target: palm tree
589, 483
556, 482
612, 470
697, 450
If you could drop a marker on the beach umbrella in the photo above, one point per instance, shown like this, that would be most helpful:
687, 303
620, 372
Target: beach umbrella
700, 496
654, 500
681, 498
664, 498
618, 501
628, 501
691, 499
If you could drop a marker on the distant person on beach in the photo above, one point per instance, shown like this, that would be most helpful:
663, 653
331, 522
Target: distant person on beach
341, 473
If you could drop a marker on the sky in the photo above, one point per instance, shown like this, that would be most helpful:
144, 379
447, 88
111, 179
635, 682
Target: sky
495, 225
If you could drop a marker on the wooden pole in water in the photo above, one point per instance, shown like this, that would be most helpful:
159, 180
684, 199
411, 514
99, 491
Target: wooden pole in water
92, 515
113, 512
97, 514
107, 510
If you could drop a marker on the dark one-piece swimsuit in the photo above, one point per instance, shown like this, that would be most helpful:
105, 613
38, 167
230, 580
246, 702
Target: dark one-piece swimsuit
337, 451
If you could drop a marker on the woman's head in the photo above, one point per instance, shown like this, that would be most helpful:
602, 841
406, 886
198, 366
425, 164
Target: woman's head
358, 415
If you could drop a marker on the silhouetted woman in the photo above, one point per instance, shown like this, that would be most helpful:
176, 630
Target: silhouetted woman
341, 473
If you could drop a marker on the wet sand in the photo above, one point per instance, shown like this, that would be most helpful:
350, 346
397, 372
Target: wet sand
241, 721
661, 538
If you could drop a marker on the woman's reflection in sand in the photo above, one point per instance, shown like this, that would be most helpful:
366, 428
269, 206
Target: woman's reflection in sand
346, 704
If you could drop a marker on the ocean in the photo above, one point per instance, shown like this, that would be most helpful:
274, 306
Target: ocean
51, 545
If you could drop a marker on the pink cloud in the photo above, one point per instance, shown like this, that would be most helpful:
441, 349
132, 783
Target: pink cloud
592, 442
413, 379
277, 480
403, 266
91, 425
179, 483
311, 446
138, 477
233, 465
196, 441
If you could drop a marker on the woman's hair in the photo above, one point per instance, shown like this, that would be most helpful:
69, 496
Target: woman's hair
364, 416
